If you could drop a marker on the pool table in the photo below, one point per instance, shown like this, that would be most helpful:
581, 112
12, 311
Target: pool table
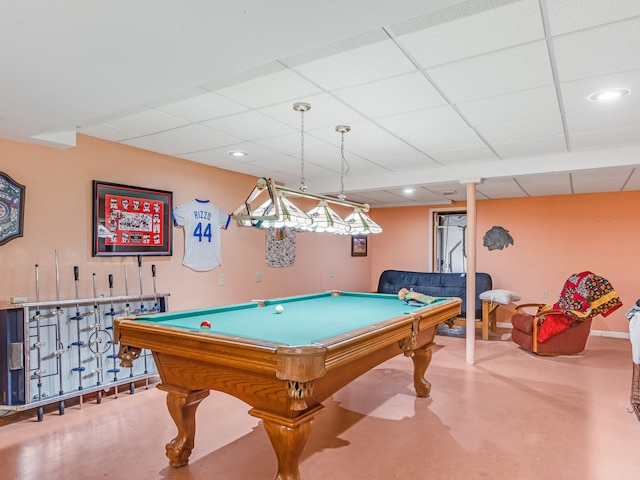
282, 364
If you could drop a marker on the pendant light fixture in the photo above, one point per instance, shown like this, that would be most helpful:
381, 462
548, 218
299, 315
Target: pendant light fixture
324, 218
278, 211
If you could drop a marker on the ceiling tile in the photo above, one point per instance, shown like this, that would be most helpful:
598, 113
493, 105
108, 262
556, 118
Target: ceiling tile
518, 22
505, 71
407, 162
249, 125
362, 132
633, 183
376, 150
153, 144
534, 102
381, 197
146, 122
575, 94
269, 89
284, 144
201, 107
606, 118
447, 190
531, 147
429, 121
107, 132
500, 188
357, 166
220, 156
394, 95
258, 170
523, 129
290, 166
571, 15
600, 180
600, 139
359, 66
546, 184
326, 112
447, 140
191, 138
598, 51
463, 155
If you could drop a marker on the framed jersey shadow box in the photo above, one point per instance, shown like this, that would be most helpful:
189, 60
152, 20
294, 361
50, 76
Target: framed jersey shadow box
131, 221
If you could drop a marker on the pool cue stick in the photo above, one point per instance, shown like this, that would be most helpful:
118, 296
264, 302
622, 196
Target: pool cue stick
143, 309
79, 343
96, 329
59, 346
127, 309
113, 354
156, 307
38, 345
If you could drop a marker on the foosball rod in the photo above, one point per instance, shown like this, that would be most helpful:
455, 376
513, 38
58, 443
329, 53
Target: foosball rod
143, 310
96, 328
113, 355
127, 309
38, 345
79, 343
59, 346
156, 307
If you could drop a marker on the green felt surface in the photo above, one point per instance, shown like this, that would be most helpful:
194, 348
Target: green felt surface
305, 320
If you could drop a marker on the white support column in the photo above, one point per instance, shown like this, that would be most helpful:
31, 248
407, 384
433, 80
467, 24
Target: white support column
471, 269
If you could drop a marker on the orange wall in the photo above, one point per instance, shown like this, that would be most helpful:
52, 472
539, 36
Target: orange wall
58, 215
553, 238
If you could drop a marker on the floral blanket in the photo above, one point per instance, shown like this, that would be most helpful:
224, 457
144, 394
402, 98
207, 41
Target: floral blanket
584, 296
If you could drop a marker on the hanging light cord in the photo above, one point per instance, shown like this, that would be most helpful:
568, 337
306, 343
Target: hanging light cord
303, 187
302, 107
344, 166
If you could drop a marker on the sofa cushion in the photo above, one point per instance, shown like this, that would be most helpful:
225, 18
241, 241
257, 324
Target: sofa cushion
435, 284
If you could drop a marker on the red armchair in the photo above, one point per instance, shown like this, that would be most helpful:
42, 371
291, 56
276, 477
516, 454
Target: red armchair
563, 328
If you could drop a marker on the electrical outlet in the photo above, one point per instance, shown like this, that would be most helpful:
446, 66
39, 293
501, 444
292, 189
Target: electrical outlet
258, 276
332, 273
221, 279
545, 294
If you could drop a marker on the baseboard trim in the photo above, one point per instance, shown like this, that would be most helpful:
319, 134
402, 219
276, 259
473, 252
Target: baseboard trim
594, 333
606, 333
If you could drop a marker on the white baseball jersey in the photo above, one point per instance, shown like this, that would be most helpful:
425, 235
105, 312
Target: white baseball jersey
202, 222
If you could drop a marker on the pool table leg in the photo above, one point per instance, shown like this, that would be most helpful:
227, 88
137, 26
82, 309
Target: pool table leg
421, 359
288, 437
182, 405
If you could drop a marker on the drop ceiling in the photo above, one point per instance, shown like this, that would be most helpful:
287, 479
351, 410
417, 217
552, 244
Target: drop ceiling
437, 93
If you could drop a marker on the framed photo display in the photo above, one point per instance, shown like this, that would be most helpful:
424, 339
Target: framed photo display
131, 220
11, 208
358, 245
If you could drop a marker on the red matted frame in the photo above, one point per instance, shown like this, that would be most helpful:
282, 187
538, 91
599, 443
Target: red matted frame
131, 221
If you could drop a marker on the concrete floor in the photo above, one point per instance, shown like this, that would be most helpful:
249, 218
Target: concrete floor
512, 415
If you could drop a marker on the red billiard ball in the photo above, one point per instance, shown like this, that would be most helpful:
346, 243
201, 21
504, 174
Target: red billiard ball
206, 324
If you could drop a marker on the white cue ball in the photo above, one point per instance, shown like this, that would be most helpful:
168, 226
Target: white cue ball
279, 309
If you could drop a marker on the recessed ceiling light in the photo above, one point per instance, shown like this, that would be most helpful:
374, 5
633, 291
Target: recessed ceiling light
409, 190
237, 153
609, 94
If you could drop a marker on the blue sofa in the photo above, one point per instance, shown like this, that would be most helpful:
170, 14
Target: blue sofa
444, 285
